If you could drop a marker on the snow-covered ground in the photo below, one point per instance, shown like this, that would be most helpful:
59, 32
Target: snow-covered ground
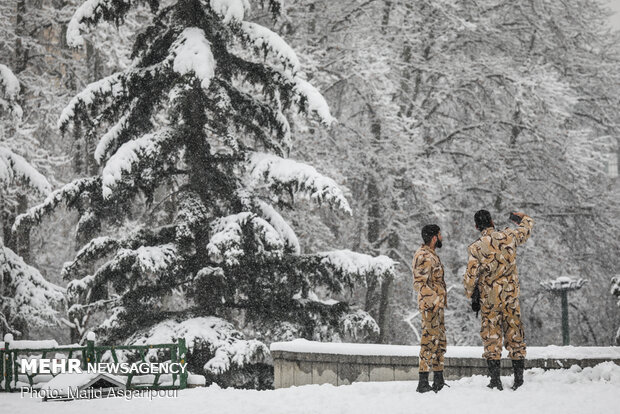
591, 390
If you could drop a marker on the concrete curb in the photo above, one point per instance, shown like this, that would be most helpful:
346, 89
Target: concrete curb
303, 368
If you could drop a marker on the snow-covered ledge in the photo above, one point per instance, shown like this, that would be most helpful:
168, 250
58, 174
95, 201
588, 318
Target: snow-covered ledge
302, 362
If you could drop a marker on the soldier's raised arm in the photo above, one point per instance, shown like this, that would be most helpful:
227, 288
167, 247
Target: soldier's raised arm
423, 282
523, 232
473, 264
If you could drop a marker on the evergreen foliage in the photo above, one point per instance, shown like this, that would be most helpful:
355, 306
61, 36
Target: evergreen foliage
201, 116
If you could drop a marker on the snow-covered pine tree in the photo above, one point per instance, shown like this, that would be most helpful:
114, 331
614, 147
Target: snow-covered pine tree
26, 299
199, 117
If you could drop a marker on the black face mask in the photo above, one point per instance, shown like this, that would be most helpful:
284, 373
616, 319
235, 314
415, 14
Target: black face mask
438, 244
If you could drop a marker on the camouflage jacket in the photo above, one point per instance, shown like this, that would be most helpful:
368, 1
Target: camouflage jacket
428, 279
493, 258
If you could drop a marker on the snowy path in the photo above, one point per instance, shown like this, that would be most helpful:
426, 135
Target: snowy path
592, 390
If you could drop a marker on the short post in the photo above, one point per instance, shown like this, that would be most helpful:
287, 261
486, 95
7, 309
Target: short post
7, 362
174, 358
183, 360
90, 349
565, 330
562, 285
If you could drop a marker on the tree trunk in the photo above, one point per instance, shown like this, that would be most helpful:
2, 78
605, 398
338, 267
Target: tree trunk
377, 295
22, 236
21, 52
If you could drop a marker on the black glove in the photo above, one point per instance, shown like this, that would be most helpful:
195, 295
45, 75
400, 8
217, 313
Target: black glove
475, 300
515, 218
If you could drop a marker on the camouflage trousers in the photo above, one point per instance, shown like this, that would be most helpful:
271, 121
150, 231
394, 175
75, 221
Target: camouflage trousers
502, 321
433, 343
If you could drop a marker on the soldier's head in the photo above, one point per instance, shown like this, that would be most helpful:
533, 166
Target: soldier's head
431, 234
483, 220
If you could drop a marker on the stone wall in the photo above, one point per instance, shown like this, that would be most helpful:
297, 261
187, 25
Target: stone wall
302, 368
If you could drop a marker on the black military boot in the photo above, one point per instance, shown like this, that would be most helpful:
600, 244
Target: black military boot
423, 385
494, 372
518, 365
438, 382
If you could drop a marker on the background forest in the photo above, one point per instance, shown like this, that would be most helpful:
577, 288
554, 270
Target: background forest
444, 107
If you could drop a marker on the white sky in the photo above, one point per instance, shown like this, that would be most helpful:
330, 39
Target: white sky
615, 5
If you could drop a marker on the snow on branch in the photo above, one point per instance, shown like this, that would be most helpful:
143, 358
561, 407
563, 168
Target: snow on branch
152, 259
95, 249
358, 325
89, 13
299, 178
314, 101
266, 40
230, 10
312, 297
110, 85
145, 251
114, 312
12, 165
192, 53
111, 136
146, 259
277, 221
77, 286
70, 193
227, 345
129, 155
353, 263
130, 266
10, 84
226, 241
25, 293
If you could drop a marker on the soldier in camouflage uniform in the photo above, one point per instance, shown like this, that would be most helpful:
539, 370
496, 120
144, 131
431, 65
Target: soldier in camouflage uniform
492, 267
429, 283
